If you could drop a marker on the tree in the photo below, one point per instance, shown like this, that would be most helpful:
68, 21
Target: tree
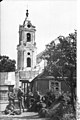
6, 64
61, 61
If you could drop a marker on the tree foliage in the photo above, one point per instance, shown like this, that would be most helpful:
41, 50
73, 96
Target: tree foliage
6, 64
61, 60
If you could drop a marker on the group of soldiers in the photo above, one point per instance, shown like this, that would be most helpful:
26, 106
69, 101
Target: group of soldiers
24, 101
32, 102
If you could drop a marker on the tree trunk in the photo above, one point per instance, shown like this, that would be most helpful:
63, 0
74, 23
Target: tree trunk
72, 90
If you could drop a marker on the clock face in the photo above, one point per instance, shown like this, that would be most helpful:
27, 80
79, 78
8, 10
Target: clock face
28, 26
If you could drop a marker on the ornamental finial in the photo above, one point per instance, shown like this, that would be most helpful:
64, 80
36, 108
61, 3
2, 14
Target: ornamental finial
27, 13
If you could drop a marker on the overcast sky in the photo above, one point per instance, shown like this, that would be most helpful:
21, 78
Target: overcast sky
51, 18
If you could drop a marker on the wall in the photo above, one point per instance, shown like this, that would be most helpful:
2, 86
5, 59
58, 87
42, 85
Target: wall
43, 85
27, 74
6, 79
17, 83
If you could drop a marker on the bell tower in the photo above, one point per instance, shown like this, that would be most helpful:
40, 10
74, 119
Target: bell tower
26, 49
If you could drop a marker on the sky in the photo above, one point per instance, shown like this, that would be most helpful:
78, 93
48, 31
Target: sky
51, 18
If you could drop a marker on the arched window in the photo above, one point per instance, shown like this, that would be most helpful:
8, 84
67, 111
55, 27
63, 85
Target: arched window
28, 62
28, 37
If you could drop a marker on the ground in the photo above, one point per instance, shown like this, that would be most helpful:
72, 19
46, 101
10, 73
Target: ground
23, 116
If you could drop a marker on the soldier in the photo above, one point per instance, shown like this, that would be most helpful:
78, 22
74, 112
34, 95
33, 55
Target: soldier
37, 96
11, 95
20, 95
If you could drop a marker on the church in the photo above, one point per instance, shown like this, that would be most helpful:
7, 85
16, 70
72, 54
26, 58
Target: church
30, 66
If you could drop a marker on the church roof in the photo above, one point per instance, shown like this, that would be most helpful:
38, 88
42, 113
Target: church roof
39, 57
44, 76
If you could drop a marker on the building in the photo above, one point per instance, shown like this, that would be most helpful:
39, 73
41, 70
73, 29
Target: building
44, 83
28, 66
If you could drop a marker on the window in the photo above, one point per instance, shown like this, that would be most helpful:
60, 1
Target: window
28, 37
28, 53
55, 86
28, 25
28, 62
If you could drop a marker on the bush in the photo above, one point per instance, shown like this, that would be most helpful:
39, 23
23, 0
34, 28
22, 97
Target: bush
66, 97
43, 112
56, 112
60, 109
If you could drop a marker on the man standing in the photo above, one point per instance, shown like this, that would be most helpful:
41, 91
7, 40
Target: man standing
20, 95
11, 95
